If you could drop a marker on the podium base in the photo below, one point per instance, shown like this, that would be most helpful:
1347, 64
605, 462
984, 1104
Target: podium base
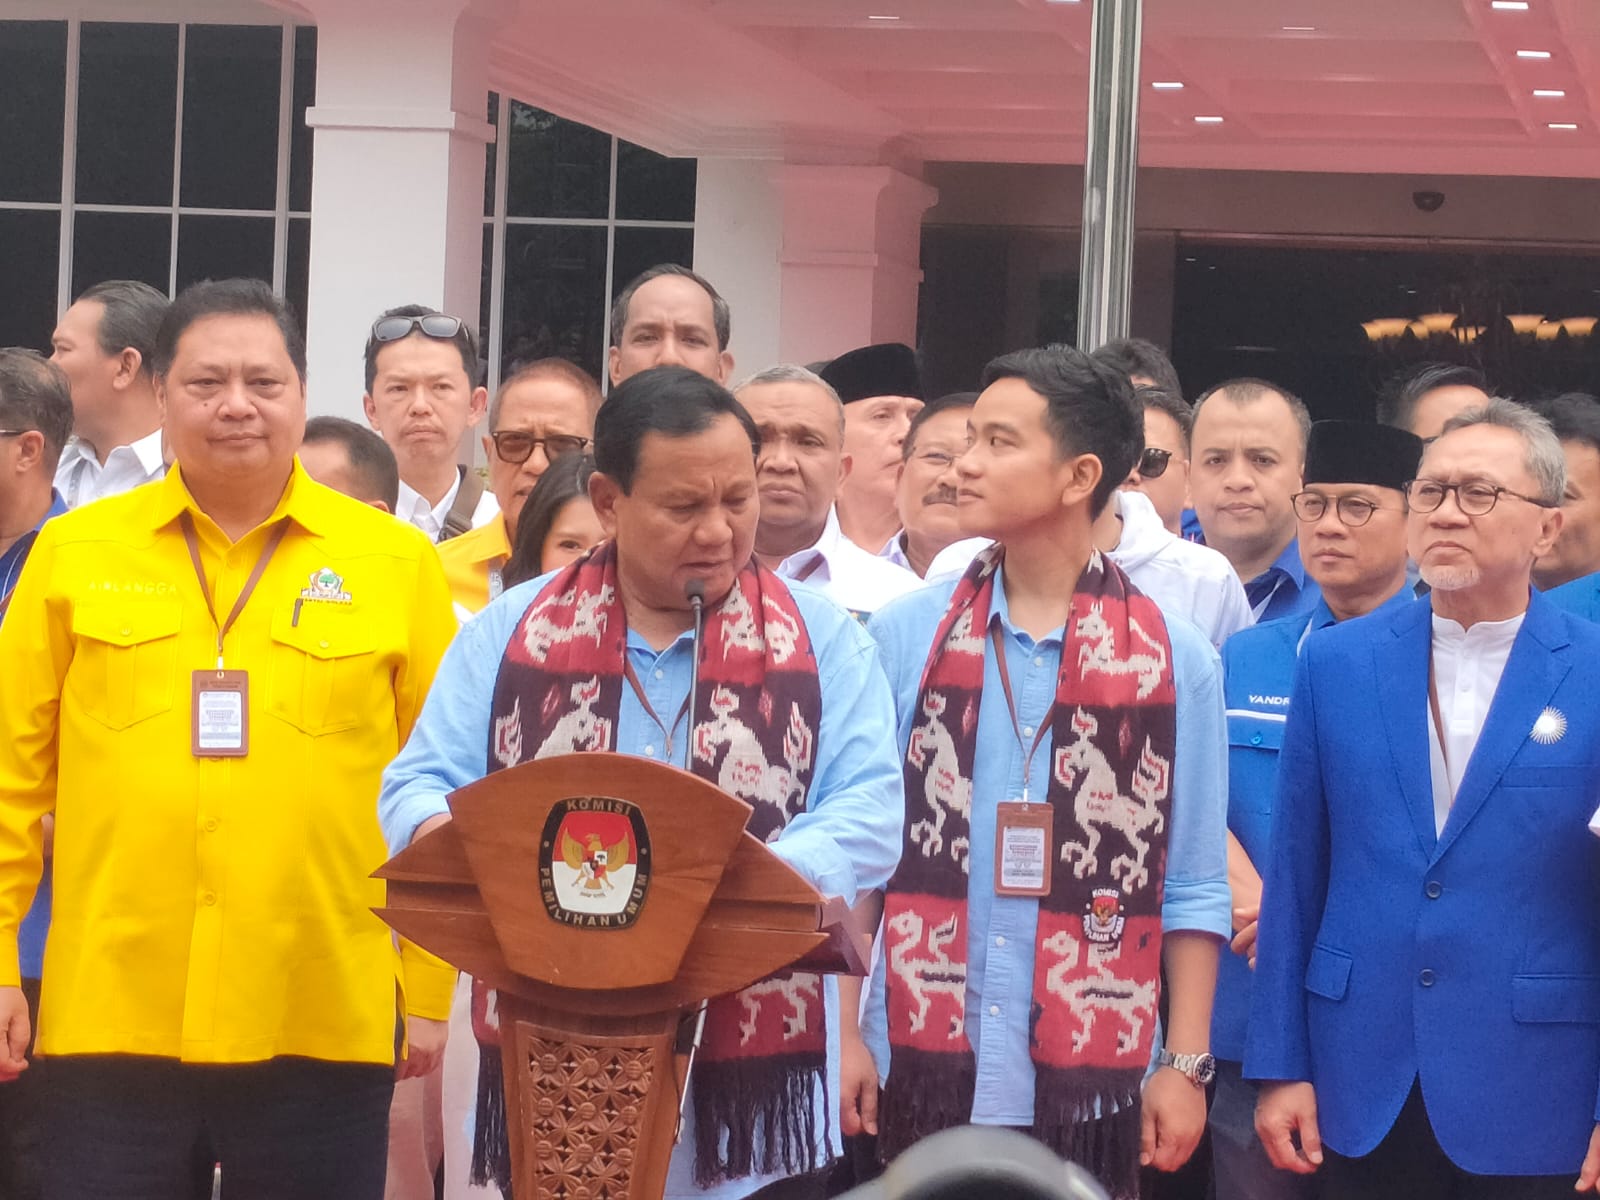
591, 1101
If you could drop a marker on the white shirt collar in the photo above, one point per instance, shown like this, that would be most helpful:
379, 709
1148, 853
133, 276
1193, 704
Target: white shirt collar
82, 478
826, 548
413, 506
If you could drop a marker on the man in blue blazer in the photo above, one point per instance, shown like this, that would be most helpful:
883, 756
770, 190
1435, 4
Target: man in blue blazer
1427, 996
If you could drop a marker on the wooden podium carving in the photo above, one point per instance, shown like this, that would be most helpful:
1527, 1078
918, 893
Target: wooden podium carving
605, 897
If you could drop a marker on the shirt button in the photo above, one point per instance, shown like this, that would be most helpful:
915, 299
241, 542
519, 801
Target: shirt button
323, 644
1000, 941
650, 751
1039, 662
211, 825
126, 631
209, 898
1027, 731
1255, 739
1426, 977
661, 674
994, 1010
1434, 890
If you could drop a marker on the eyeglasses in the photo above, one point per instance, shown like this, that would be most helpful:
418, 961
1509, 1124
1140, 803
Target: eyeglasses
516, 447
1352, 510
939, 460
14, 432
1153, 463
434, 325
1474, 499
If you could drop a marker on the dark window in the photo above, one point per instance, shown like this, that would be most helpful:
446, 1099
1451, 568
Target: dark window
33, 63
639, 249
231, 76
121, 246
653, 188
558, 168
127, 101
305, 95
297, 268
28, 300
489, 157
223, 247
554, 296
485, 289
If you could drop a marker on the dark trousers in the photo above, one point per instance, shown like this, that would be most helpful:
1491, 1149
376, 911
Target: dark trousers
20, 1101
1409, 1165
133, 1128
1239, 1163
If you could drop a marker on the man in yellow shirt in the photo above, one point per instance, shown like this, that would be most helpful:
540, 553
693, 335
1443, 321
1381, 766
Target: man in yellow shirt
543, 411
204, 680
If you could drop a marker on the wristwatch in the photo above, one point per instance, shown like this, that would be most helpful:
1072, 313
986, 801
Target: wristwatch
1200, 1069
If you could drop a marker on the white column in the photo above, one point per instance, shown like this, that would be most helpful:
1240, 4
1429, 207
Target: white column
738, 239
397, 189
851, 257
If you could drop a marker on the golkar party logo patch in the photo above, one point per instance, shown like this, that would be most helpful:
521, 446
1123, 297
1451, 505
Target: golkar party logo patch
594, 862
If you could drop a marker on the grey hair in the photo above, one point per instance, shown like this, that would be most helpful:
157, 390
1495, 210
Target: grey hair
793, 373
1542, 455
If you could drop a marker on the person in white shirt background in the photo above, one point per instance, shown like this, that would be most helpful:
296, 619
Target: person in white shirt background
881, 387
930, 543
422, 397
800, 471
103, 343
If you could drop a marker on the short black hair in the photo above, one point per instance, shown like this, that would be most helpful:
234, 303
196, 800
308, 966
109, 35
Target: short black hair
1247, 389
563, 481
1135, 356
130, 315
226, 297
35, 395
545, 368
721, 314
945, 403
466, 342
1397, 400
1088, 409
672, 401
371, 460
1173, 405
1575, 417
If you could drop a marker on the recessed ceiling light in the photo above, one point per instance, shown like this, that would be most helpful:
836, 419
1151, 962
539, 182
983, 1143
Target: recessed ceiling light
1299, 28
1509, 5
1533, 54
1208, 120
1562, 125
1168, 85
878, 18
1549, 93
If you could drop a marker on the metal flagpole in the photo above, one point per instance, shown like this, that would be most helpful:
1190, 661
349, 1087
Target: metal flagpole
1110, 168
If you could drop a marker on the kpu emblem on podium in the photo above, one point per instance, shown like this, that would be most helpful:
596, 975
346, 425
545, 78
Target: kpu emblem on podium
594, 862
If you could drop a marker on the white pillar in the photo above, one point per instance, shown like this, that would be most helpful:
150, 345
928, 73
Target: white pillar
397, 189
851, 257
738, 238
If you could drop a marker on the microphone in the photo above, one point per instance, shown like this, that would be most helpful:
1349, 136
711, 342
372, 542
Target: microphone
695, 590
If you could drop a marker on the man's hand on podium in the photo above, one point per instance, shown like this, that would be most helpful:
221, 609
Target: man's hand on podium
430, 825
425, 1040
14, 1031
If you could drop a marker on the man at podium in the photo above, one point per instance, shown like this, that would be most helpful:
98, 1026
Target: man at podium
795, 718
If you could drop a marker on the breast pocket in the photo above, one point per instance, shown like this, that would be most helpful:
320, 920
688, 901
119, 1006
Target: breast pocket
1251, 733
125, 664
321, 672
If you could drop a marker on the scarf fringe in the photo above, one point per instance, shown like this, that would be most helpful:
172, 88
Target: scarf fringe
1091, 1117
926, 1093
491, 1135
755, 1116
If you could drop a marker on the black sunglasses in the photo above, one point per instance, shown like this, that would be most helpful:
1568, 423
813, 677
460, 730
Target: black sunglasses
435, 325
1153, 463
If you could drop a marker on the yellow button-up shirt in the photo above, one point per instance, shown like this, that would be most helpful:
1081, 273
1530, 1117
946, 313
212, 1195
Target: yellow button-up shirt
471, 559
215, 909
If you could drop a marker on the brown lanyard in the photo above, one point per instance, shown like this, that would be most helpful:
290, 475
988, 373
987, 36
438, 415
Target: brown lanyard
809, 570
633, 681
1011, 705
193, 542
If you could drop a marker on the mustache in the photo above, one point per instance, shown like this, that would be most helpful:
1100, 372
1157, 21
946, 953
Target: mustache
940, 495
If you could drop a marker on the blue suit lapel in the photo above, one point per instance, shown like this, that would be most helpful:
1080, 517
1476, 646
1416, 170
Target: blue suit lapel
1533, 672
1400, 657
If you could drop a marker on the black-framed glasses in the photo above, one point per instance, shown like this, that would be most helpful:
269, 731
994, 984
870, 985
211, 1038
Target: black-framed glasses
1474, 497
1353, 511
434, 325
14, 432
1153, 462
516, 446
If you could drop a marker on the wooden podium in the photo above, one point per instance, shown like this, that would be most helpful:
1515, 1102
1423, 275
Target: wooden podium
605, 897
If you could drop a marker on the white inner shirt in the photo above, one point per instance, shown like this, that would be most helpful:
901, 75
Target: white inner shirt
82, 479
1467, 666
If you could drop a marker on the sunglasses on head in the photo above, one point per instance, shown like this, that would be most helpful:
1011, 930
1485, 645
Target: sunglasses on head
434, 325
1153, 463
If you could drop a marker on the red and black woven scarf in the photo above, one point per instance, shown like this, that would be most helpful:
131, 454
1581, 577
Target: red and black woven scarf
1098, 952
753, 734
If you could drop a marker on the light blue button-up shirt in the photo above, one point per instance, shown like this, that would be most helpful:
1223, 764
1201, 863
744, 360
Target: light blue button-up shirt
846, 842
1002, 929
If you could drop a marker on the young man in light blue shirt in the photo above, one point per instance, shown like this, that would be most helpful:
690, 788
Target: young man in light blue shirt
1005, 1010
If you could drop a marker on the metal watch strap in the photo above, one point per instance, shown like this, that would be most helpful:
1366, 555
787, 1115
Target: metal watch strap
1190, 1066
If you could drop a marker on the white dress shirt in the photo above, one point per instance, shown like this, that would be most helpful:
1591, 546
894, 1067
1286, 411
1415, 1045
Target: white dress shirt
413, 506
81, 479
847, 574
1467, 665
954, 559
1184, 578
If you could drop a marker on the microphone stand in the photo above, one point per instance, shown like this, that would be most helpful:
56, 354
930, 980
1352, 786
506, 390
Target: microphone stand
695, 590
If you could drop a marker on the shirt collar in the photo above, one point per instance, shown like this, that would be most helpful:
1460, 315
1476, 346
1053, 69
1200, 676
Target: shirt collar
1485, 637
146, 449
412, 504
1289, 563
826, 547
1000, 610
300, 501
